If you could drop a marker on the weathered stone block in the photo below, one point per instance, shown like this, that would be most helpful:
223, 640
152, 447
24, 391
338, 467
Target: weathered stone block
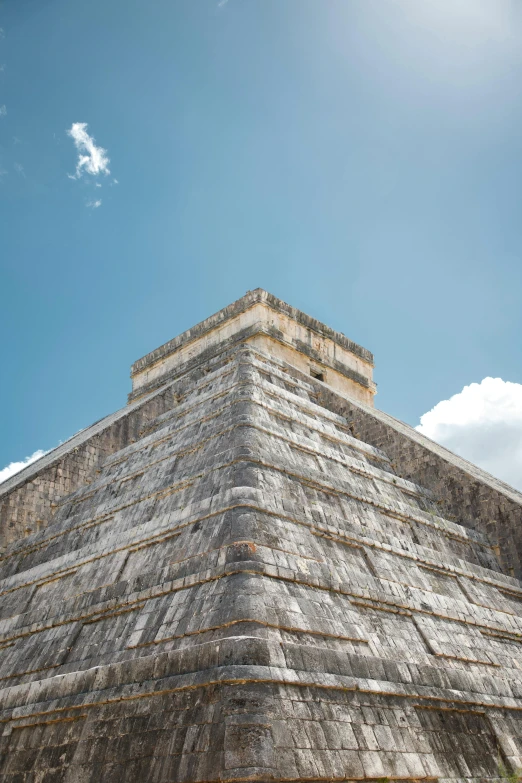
233, 581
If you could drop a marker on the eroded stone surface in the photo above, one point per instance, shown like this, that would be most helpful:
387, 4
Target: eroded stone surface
250, 592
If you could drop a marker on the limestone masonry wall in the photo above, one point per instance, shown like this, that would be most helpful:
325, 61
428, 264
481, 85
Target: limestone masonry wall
248, 575
465, 492
248, 592
27, 499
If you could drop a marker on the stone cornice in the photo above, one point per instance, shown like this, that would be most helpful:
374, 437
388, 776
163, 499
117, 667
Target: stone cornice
250, 299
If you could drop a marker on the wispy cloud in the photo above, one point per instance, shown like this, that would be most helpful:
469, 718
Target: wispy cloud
91, 159
94, 204
14, 467
19, 169
3, 110
222, 3
482, 423
2, 32
3, 173
2, 68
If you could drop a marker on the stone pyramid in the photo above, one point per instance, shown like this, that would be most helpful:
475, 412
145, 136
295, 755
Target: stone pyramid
251, 574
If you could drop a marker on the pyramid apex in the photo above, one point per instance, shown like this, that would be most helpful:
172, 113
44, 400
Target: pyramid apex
273, 327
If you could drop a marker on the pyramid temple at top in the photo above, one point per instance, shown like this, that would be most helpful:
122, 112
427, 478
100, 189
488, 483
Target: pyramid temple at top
249, 573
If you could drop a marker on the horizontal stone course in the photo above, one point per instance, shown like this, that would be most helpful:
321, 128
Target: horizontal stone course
247, 590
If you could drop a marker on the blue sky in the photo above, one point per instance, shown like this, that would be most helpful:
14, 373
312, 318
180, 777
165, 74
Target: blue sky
361, 159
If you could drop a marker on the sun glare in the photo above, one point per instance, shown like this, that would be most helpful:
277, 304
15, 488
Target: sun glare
486, 20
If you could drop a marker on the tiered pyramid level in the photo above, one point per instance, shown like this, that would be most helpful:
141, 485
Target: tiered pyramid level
249, 592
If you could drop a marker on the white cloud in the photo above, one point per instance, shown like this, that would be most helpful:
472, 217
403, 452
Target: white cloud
222, 3
19, 169
94, 204
14, 467
483, 424
2, 32
2, 68
3, 110
92, 159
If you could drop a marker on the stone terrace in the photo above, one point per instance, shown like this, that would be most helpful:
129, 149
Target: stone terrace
249, 589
